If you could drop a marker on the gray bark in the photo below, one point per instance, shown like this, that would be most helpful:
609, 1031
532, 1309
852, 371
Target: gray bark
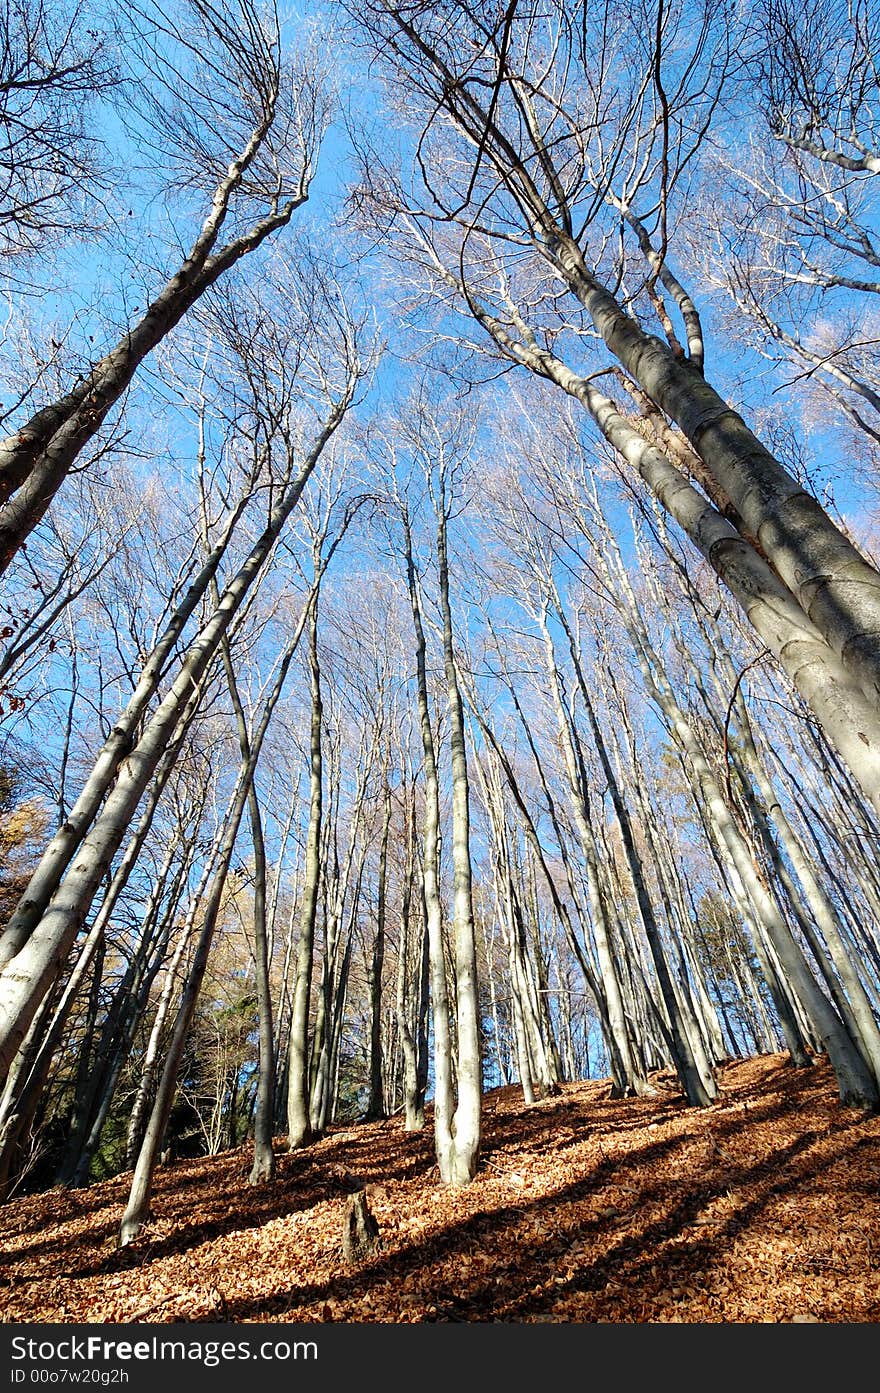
299, 1130
137, 1209
443, 1086
27, 976
375, 1103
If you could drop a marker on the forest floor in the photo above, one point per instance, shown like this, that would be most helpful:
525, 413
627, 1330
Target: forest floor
765, 1207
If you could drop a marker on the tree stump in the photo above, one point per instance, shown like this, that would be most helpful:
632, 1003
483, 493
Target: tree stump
360, 1232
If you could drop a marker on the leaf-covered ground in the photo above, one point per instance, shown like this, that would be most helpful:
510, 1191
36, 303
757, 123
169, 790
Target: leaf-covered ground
762, 1208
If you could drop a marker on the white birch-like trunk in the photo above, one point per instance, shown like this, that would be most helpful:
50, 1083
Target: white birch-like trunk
855, 1080
466, 1121
443, 1088
299, 1129
137, 1208
26, 977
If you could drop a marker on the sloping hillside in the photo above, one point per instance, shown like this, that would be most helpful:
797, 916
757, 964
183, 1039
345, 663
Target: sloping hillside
765, 1207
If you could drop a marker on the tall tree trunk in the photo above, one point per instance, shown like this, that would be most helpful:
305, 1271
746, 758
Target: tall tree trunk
375, 1105
299, 1130
443, 1094
137, 1209
263, 1167
699, 1087
466, 1121
413, 1095
822, 649
26, 977
855, 1081
820, 906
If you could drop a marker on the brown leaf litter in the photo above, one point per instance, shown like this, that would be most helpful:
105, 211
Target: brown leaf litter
763, 1207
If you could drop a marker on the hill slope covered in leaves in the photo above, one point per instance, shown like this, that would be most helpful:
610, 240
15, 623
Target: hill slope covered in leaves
764, 1207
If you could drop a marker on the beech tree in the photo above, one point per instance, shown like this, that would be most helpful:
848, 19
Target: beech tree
436, 445
520, 729
50, 914
54, 66
559, 167
261, 154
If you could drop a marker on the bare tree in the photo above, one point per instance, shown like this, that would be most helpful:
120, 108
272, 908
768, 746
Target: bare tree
820, 79
261, 150
39, 945
54, 65
538, 182
137, 1209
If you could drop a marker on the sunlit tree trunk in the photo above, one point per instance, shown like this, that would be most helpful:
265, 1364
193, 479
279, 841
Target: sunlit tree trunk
443, 1085
137, 1208
466, 1121
499, 128
818, 903
27, 975
411, 976
855, 1081
839, 688
375, 1104
299, 1130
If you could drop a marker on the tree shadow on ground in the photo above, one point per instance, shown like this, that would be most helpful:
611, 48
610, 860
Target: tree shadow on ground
578, 1256
657, 1202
